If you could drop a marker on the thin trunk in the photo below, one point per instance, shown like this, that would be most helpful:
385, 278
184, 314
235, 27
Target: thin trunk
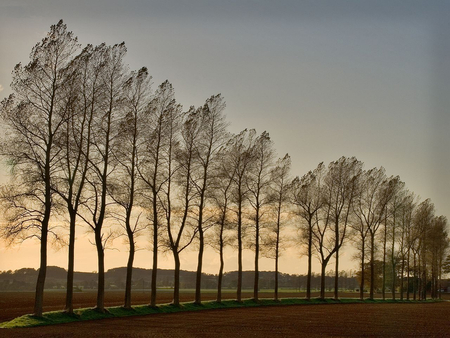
128, 209
220, 277
424, 272
407, 274
415, 281
322, 280
308, 280
336, 277
402, 278
256, 280
101, 272
393, 258
277, 253
221, 247
71, 263
198, 280
39, 298
336, 267
73, 208
155, 266
155, 248
127, 302
383, 287
372, 265
361, 287
176, 286
440, 281
40, 283
276, 274
239, 235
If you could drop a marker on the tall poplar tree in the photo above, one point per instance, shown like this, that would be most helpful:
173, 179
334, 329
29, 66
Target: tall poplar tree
34, 116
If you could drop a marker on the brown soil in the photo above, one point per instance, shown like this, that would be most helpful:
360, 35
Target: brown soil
355, 320
15, 304
350, 320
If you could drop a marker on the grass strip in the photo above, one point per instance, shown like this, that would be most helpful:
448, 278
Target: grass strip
60, 317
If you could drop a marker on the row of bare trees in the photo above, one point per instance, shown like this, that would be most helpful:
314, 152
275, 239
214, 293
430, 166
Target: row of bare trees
343, 203
91, 144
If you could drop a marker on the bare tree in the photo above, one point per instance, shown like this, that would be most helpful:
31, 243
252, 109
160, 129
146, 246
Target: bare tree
105, 129
222, 184
179, 216
405, 213
279, 196
391, 226
438, 243
74, 145
258, 185
124, 190
370, 207
423, 219
341, 187
34, 116
306, 196
212, 137
155, 165
242, 155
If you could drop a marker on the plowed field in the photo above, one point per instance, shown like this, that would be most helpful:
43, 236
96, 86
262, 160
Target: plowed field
336, 320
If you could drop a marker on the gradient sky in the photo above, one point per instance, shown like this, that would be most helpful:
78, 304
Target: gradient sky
326, 79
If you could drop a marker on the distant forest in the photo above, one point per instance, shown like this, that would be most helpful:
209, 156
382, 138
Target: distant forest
25, 280
92, 145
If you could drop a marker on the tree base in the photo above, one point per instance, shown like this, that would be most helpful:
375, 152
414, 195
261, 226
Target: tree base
100, 310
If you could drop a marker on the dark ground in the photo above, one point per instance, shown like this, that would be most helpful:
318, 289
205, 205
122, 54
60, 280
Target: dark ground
334, 320
349, 320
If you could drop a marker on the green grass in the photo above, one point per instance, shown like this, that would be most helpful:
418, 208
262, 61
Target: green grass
59, 317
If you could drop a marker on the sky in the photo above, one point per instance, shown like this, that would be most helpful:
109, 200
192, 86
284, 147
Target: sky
326, 79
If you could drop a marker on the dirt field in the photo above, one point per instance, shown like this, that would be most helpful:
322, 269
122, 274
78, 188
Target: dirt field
15, 304
350, 320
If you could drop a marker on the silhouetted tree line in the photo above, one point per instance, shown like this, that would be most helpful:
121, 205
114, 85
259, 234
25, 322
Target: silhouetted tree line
92, 144
25, 279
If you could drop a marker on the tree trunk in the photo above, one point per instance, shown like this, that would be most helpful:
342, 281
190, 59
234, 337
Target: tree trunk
383, 286
322, 280
40, 283
176, 286
71, 263
220, 277
415, 279
198, 281
394, 277
308, 279
440, 283
363, 273
256, 280
101, 272
39, 298
155, 261
127, 303
402, 278
277, 252
239, 281
407, 274
276, 279
336, 277
372, 265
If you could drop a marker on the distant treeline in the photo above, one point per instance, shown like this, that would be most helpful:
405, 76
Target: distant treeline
25, 279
